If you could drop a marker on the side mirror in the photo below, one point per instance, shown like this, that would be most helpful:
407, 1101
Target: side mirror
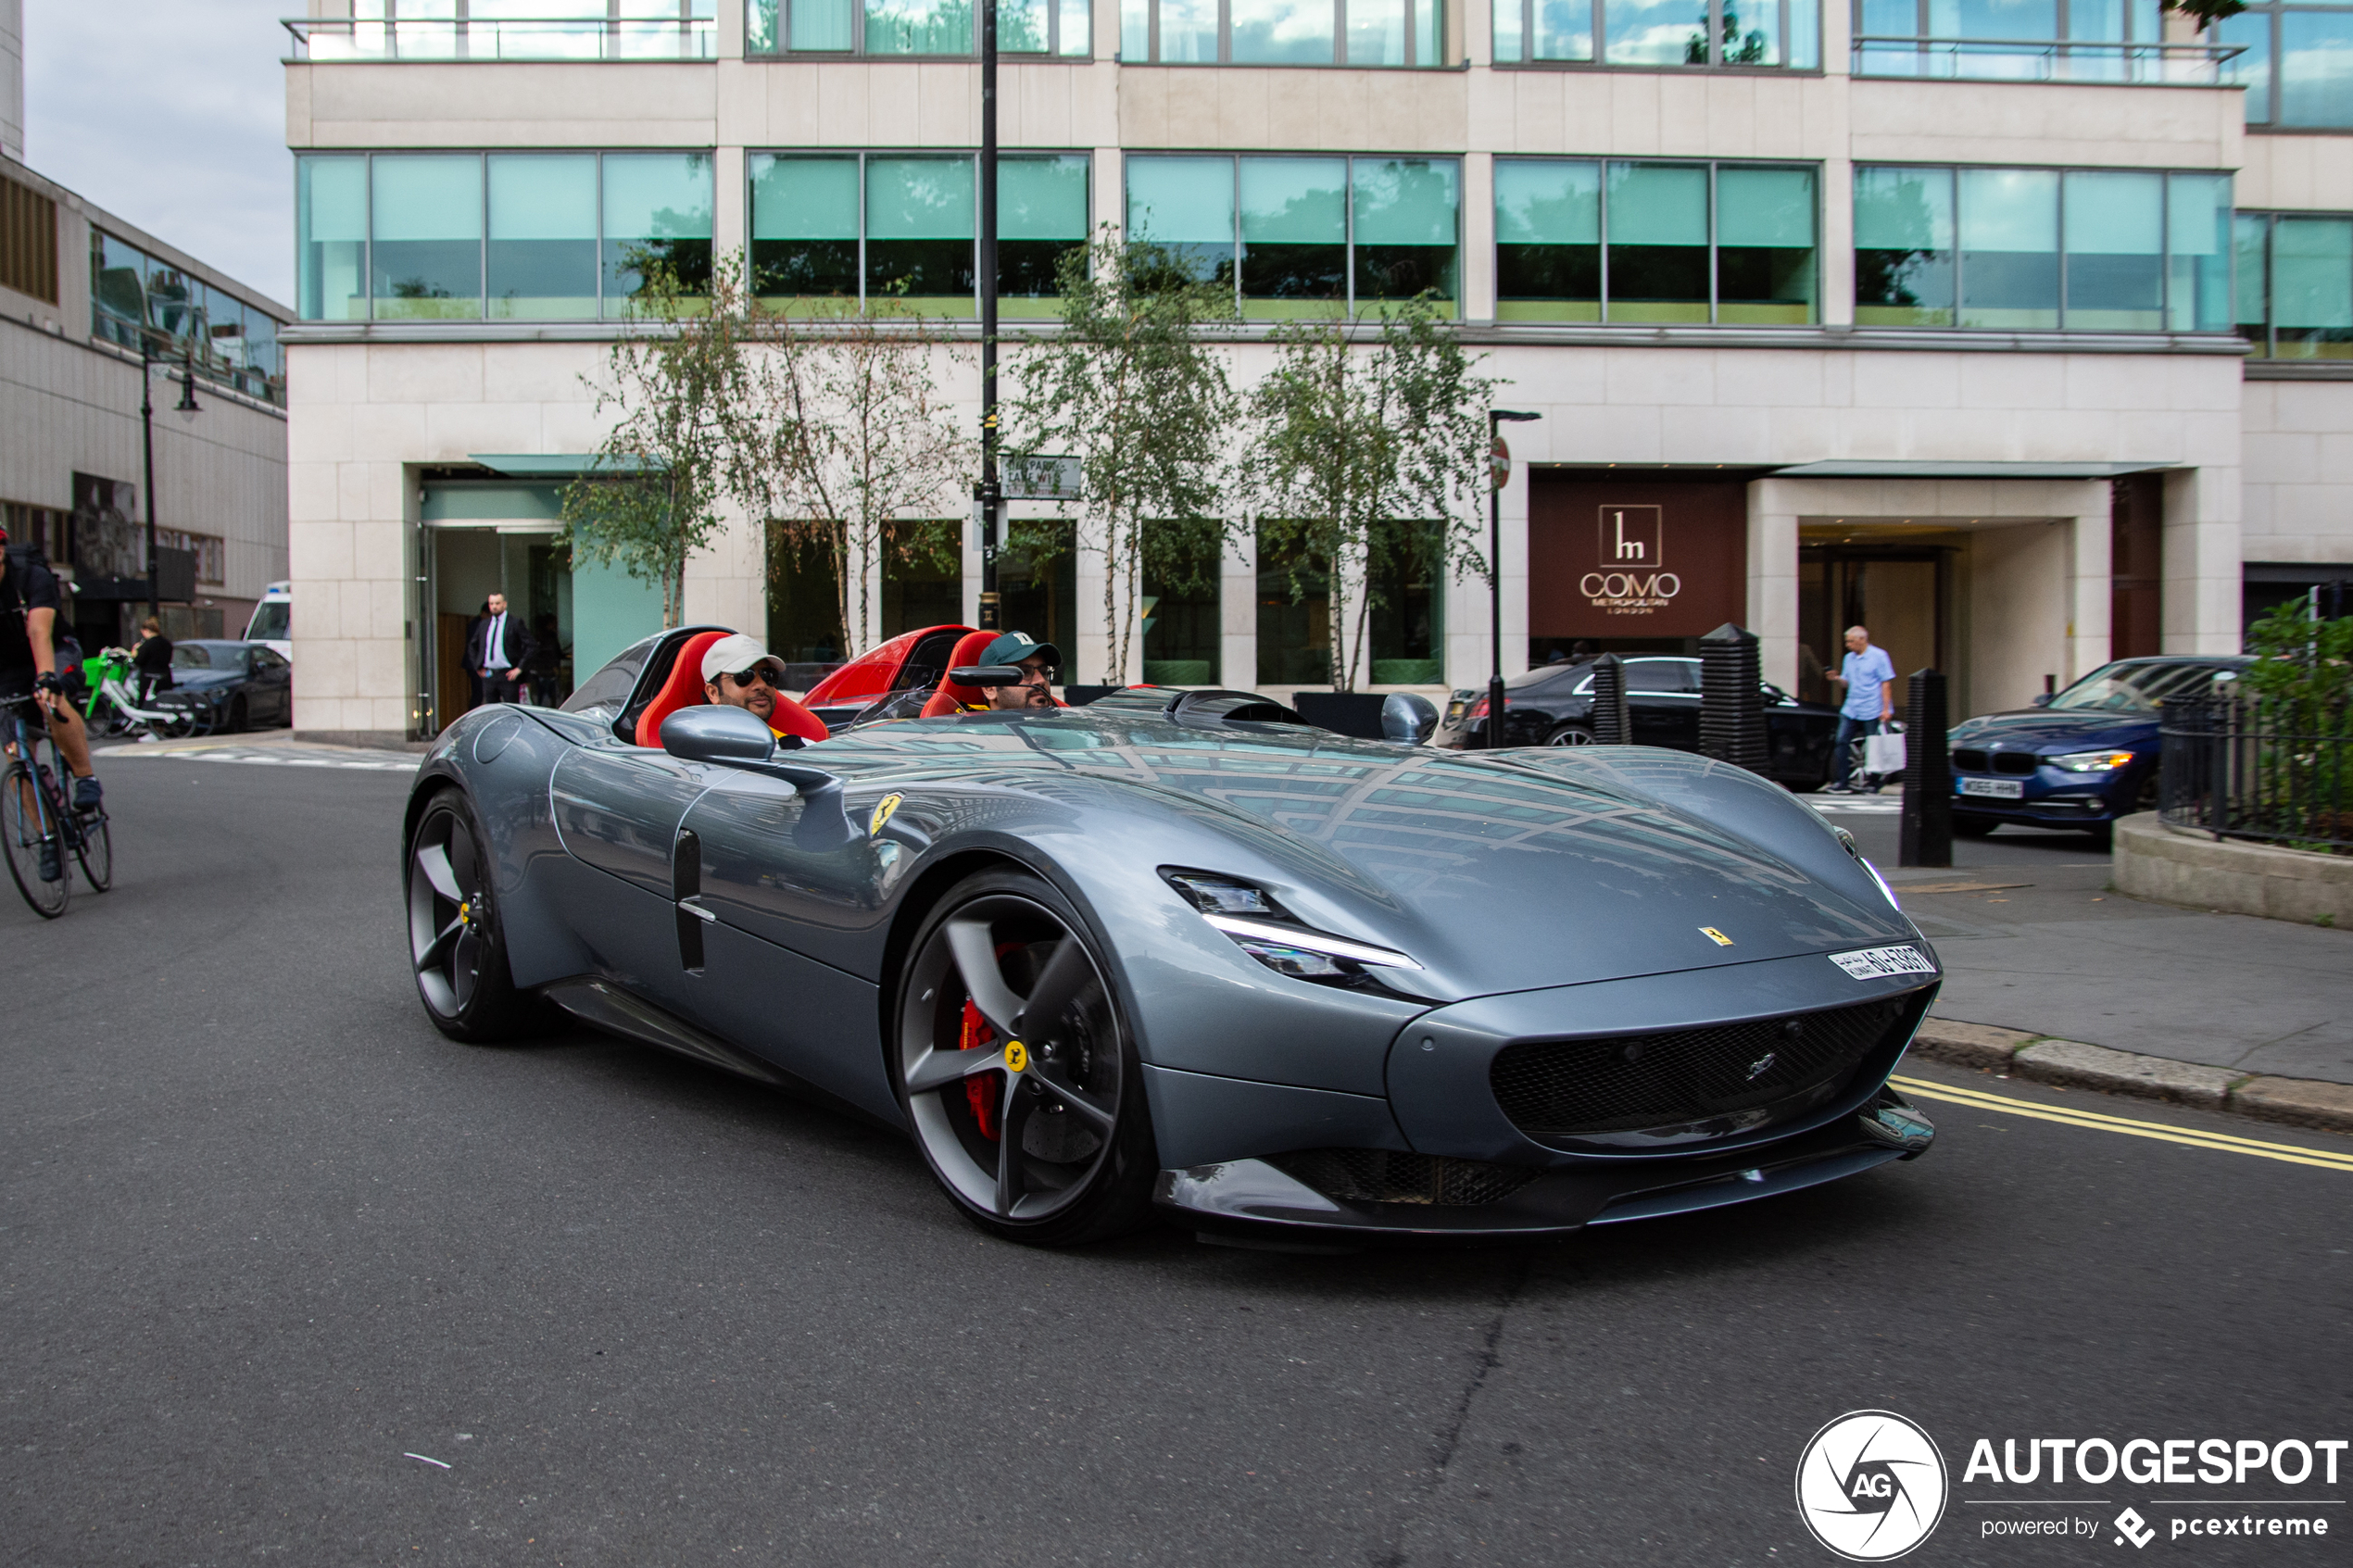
2042, 700
986, 675
717, 733
1407, 718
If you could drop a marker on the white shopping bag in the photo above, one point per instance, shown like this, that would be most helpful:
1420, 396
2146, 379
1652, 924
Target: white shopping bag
1883, 754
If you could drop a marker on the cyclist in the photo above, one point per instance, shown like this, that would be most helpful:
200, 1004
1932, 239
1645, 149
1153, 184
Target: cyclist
28, 604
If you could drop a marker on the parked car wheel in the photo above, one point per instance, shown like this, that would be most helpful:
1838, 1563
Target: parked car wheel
1018, 1072
456, 945
1973, 827
237, 714
1571, 735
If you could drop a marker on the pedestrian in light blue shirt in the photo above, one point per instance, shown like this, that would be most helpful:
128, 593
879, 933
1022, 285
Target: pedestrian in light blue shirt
1868, 674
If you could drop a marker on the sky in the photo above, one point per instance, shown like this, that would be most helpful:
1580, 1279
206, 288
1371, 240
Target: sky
172, 115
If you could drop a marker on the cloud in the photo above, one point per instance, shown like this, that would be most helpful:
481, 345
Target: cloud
171, 114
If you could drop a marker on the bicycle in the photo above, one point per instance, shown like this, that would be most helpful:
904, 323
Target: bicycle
34, 816
112, 704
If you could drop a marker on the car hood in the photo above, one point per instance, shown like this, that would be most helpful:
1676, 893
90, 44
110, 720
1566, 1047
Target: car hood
2039, 729
1497, 871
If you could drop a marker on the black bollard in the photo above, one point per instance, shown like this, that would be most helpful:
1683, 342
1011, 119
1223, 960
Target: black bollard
1731, 701
1928, 776
1612, 724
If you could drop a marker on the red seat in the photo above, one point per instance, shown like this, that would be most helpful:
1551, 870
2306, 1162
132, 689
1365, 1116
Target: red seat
685, 689
951, 696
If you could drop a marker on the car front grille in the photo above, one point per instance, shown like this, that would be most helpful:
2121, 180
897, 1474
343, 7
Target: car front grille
2014, 762
1968, 759
1556, 1089
1381, 1175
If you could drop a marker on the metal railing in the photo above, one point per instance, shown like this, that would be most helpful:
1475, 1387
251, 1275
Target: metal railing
2276, 770
506, 38
2043, 59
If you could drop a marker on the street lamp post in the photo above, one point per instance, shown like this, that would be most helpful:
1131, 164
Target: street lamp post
1500, 473
989, 495
186, 409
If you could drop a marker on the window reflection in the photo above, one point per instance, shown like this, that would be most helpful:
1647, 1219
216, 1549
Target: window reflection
136, 298
1662, 33
1291, 33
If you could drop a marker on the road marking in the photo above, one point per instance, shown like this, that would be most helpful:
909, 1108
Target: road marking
2327, 1160
268, 758
1867, 805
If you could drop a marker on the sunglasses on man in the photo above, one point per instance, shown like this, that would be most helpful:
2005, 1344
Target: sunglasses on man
1042, 676
758, 674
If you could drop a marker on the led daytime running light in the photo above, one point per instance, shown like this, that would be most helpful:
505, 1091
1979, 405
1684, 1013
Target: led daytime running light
1311, 941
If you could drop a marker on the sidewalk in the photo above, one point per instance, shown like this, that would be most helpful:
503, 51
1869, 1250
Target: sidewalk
261, 748
2032, 939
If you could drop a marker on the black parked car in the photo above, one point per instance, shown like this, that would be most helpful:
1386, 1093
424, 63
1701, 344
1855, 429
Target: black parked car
230, 685
2082, 759
1553, 706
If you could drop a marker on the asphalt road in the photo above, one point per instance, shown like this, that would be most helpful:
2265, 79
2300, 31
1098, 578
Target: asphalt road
267, 1234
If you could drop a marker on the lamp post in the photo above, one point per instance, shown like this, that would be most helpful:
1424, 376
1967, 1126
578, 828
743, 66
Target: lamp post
1500, 474
187, 408
989, 495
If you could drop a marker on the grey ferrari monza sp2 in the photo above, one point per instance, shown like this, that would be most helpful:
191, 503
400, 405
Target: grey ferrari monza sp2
1176, 951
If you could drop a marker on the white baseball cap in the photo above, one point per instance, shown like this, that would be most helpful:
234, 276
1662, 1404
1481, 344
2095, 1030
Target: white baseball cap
736, 651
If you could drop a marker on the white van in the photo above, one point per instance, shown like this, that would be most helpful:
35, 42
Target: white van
272, 620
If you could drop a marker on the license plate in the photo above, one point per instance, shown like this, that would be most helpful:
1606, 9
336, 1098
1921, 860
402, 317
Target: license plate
1873, 963
2000, 789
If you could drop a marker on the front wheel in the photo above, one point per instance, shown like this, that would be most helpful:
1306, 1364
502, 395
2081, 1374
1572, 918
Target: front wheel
27, 831
456, 945
1015, 1067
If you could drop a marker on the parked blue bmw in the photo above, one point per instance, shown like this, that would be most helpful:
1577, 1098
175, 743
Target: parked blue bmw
2079, 759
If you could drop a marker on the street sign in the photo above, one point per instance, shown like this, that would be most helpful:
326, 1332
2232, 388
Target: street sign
1499, 463
1042, 479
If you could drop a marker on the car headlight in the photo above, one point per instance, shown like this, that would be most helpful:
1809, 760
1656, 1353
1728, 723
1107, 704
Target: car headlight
1268, 932
2093, 761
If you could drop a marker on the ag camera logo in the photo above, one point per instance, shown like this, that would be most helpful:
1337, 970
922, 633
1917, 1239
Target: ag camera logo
1870, 1486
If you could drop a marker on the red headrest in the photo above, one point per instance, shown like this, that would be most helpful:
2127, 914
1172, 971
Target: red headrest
791, 718
951, 696
683, 689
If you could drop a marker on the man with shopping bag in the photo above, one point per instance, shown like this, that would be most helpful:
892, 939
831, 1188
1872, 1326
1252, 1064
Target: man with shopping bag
1869, 679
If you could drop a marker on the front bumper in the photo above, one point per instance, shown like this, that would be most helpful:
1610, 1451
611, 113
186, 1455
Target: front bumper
1253, 1197
2053, 797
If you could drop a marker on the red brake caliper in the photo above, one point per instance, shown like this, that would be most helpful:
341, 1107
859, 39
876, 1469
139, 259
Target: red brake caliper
983, 1091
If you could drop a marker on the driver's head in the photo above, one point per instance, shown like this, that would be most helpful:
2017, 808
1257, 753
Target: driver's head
739, 672
1039, 665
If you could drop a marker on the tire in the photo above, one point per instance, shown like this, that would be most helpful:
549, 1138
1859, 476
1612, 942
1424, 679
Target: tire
1571, 735
1053, 1148
1973, 827
237, 711
95, 849
20, 837
456, 947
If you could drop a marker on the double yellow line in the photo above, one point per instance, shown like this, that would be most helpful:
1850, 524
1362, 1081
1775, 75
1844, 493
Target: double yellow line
1978, 1099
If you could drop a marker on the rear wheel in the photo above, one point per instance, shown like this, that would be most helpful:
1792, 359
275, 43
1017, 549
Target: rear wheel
1018, 1072
21, 833
1571, 735
94, 847
455, 943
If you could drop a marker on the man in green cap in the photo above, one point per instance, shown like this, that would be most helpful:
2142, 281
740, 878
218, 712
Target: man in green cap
1038, 663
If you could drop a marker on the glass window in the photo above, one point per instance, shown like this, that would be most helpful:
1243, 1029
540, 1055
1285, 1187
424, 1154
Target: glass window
2008, 224
1666, 33
2250, 238
2316, 68
1294, 227
1405, 214
804, 227
919, 27
263, 358
331, 249
1764, 245
118, 289
1186, 204
1654, 32
1322, 33
2115, 251
821, 26
2312, 288
1042, 214
1903, 248
543, 236
655, 204
2250, 30
919, 233
2197, 248
1658, 239
1548, 239
425, 219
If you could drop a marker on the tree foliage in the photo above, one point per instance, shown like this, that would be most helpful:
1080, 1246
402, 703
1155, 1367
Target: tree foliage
2206, 13
1368, 447
1133, 388
663, 468
851, 447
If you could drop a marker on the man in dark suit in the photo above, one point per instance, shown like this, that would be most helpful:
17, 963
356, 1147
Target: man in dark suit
499, 651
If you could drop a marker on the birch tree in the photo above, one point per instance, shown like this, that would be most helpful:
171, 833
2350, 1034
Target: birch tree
1368, 447
1135, 390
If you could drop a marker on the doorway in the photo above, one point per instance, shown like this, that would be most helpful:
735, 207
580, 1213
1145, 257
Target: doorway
1899, 595
469, 561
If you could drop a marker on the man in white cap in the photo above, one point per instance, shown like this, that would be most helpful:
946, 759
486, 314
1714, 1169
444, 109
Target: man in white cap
739, 672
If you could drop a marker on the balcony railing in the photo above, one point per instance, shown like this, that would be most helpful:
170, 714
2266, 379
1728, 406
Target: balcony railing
506, 38
2029, 59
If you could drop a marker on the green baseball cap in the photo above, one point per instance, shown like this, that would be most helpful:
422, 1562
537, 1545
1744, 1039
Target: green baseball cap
1014, 646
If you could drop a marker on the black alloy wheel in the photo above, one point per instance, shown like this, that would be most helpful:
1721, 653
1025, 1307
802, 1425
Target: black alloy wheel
1018, 1075
454, 943
1571, 735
